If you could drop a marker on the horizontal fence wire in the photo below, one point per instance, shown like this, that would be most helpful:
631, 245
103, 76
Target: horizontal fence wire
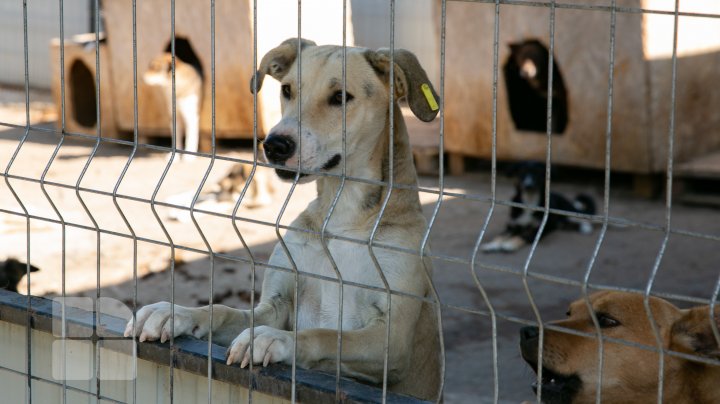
470, 262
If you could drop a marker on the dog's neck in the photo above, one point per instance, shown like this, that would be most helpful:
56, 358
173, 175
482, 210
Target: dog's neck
360, 202
695, 383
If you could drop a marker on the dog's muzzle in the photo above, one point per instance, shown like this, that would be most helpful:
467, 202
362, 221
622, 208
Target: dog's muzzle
279, 148
556, 388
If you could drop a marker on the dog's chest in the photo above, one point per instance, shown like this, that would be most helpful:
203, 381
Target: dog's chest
319, 300
526, 217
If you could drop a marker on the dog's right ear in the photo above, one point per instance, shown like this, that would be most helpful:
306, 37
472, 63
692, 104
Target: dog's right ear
410, 80
277, 61
692, 333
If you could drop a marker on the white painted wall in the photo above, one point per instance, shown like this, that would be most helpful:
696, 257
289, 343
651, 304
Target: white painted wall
43, 25
322, 22
152, 383
416, 29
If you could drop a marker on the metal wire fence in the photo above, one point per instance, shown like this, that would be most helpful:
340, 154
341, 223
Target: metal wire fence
473, 261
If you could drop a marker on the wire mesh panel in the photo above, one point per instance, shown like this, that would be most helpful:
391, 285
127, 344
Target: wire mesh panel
200, 262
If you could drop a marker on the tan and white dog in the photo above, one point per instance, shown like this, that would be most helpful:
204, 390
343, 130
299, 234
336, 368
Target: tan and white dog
414, 361
188, 92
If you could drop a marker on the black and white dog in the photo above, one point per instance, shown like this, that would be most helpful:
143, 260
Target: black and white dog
525, 223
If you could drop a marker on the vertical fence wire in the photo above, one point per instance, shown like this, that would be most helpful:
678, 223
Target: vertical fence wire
546, 207
156, 190
333, 204
94, 222
712, 316
281, 213
296, 180
390, 188
153, 200
124, 218
491, 210
28, 334
234, 217
211, 253
668, 213
63, 319
441, 188
606, 208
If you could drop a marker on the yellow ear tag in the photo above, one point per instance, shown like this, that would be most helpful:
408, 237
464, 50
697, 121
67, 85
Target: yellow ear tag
429, 97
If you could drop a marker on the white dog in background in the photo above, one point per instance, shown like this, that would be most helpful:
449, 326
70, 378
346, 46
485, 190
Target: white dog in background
188, 92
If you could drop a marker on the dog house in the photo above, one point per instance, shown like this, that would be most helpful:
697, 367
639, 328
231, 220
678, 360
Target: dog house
233, 34
233, 62
641, 92
80, 86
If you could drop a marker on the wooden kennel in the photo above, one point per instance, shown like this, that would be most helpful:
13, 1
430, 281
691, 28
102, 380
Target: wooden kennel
641, 88
233, 29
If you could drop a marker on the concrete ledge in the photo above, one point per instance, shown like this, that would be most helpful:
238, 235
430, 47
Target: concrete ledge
190, 354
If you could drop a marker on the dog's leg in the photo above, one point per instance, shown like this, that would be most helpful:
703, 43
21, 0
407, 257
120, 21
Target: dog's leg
153, 321
362, 350
189, 110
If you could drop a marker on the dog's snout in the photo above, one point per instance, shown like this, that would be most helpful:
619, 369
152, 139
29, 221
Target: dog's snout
530, 333
279, 148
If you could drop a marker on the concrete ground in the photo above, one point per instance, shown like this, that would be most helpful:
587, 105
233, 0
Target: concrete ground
626, 257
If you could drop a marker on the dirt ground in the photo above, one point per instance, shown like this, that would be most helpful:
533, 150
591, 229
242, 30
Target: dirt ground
626, 258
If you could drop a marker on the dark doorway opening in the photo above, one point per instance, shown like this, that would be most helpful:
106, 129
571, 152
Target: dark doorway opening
82, 94
185, 52
526, 80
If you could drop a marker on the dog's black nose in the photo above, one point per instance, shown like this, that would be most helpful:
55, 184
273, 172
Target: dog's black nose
279, 148
530, 333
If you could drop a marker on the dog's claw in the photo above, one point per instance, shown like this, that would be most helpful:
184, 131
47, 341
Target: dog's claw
266, 361
143, 337
164, 337
245, 361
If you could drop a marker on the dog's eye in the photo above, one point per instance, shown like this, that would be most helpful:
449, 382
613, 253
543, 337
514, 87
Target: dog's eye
606, 321
336, 98
286, 91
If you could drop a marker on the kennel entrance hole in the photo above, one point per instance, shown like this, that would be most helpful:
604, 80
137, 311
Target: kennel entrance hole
185, 52
526, 80
82, 93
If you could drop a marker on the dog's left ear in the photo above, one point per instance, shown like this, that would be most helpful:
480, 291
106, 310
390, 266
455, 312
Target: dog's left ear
692, 333
277, 61
410, 80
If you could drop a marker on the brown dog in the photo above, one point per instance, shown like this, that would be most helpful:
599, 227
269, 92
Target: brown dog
630, 374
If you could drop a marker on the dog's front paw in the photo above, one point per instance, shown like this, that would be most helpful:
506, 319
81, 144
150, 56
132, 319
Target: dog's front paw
153, 322
512, 244
270, 345
494, 245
